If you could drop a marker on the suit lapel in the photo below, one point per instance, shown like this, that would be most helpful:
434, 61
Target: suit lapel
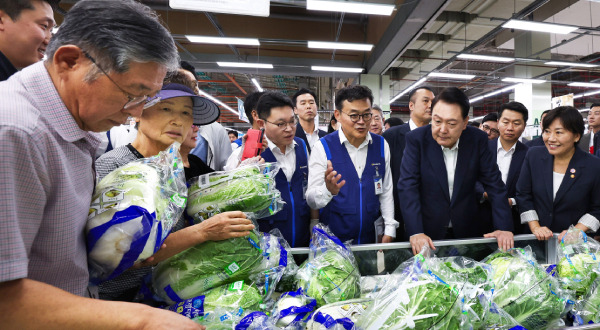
436, 160
574, 171
547, 165
462, 165
515, 164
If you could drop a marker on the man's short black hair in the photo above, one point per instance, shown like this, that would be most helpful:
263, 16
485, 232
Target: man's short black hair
414, 91
302, 91
232, 133
492, 116
189, 67
250, 104
545, 112
270, 100
453, 95
393, 121
515, 106
474, 123
571, 119
13, 8
594, 105
351, 94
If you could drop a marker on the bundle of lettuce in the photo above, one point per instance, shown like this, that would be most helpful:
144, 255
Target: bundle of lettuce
250, 189
256, 321
237, 298
579, 257
587, 310
417, 296
340, 315
525, 291
133, 210
214, 263
331, 273
293, 309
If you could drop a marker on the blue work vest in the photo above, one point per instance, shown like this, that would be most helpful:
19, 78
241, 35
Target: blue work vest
294, 220
351, 214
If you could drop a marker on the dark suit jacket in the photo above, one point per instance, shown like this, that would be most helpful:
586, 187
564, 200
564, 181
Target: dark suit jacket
584, 142
300, 133
579, 192
485, 208
395, 138
537, 142
423, 186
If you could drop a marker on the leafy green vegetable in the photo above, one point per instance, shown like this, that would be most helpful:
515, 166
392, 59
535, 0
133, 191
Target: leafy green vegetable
576, 272
207, 265
524, 290
587, 309
247, 189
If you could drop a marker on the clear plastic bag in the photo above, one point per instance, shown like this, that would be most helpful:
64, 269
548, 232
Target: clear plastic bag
256, 321
293, 309
340, 315
133, 210
250, 189
525, 291
330, 274
579, 257
587, 309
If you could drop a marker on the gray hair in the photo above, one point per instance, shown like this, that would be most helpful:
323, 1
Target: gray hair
376, 107
116, 33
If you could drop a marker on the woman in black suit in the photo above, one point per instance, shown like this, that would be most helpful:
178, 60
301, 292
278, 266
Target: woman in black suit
559, 185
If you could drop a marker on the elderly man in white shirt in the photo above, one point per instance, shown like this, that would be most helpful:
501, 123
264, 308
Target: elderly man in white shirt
350, 177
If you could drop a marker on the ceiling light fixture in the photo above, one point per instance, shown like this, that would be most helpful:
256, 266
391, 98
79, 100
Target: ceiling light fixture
255, 82
212, 98
408, 89
584, 84
583, 65
586, 94
524, 80
246, 65
350, 7
486, 58
496, 92
335, 69
339, 45
452, 75
539, 26
223, 40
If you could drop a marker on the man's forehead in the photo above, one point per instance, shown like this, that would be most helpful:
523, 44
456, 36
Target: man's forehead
305, 96
361, 105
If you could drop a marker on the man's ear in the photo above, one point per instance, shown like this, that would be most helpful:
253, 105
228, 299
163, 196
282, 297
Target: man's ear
68, 58
3, 20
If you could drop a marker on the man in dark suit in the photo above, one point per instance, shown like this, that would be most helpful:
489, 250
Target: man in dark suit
420, 115
306, 110
538, 141
441, 164
508, 152
590, 142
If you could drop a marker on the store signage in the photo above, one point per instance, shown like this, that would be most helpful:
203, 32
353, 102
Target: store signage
237, 7
562, 100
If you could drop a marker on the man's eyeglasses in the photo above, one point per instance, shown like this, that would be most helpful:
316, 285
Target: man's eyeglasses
283, 125
132, 100
356, 117
488, 129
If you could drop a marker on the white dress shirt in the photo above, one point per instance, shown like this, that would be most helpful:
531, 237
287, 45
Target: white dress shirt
317, 195
286, 159
503, 159
412, 125
591, 139
557, 179
450, 158
313, 137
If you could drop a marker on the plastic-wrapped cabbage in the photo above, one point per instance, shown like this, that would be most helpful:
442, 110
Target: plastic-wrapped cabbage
256, 321
293, 309
249, 189
330, 274
132, 212
220, 319
416, 297
370, 285
340, 315
587, 310
579, 257
236, 297
207, 265
524, 290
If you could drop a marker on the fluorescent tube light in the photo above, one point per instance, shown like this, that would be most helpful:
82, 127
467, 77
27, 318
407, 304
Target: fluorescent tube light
350, 7
486, 58
408, 89
451, 75
496, 92
246, 65
339, 45
583, 65
584, 84
223, 40
210, 97
524, 80
255, 82
586, 94
335, 69
539, 26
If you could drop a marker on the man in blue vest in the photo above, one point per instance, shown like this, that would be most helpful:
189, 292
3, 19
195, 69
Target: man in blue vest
276, 115
350, 177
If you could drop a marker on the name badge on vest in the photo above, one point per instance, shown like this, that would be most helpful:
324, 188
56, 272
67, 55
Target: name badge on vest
378, 182
304, 185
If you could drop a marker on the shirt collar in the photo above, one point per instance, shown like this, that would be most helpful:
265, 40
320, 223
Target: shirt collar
343, 138
512, 149
455, 147
274, 148
412, 124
